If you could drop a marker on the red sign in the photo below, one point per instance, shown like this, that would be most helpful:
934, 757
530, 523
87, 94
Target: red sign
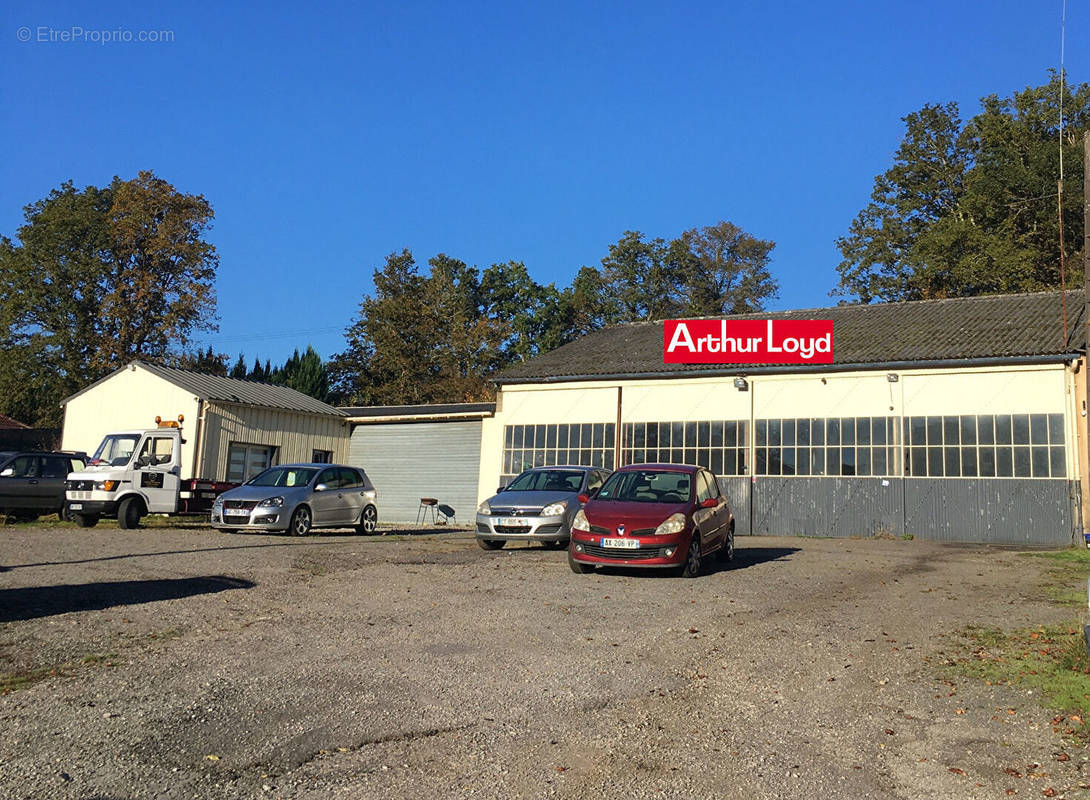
748, 341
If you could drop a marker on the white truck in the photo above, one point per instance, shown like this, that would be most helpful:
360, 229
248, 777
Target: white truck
134, 473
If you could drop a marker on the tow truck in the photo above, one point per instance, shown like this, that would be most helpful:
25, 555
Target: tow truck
135, 473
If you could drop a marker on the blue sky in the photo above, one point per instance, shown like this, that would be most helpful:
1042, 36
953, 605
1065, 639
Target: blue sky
328, 135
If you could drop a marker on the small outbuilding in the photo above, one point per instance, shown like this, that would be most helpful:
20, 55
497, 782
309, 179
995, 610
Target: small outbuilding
232, 428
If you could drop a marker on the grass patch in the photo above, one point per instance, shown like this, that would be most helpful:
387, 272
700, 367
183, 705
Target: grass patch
1051, 659
11, 681
100, 658
1065, 579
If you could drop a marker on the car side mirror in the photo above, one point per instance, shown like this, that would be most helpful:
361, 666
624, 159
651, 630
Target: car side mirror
583, 498
500, 489
321, 487
711, 502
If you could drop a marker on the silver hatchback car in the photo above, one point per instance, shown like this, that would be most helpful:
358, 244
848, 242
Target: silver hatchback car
537, 506
299, 497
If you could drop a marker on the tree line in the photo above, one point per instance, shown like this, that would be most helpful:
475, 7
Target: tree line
99, 276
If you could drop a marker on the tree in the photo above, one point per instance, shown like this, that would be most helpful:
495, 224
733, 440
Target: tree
971, 208
208, 362
722, 270
95, 278
305, 373
239, 369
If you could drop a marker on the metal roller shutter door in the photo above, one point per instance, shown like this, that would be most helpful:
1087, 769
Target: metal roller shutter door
407, 461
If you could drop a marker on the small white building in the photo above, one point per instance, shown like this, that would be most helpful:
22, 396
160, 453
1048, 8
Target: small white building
232, 428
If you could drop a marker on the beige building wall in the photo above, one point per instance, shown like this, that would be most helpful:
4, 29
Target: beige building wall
129, 400
295, 435
981, 390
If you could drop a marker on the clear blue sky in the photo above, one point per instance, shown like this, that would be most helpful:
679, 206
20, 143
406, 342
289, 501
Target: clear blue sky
328, 135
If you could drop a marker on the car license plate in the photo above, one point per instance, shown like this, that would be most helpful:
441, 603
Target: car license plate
623, 544
512, 521
75, 506
234, 512
208, 494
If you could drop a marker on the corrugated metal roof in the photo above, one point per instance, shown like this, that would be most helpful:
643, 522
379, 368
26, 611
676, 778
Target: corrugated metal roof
230, 390
990, 327
427, 410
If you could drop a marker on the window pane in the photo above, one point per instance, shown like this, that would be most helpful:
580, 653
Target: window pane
917, 434
1004, 465
762, 460
637, 435
934, 431
862, 459
802, 461
817, 432
952, 459
832, 434
968, 429
968, 462
1021, 428
520, 431
847, 430
1040, 461
817, 461
847, 459
1056, 428
1021, 462
550, 436
508, 435
762, 432
677, 434
878, 430
986, 427
731, 434
1038, 429
787, 459
862, 430
802, 432
934, 462
716, 464
690, 456
832, 461
703, 434
774, 433
950, 426
773, 461
1056, 457
987, 462
652, 435
878, 461
598, 435
1003, 429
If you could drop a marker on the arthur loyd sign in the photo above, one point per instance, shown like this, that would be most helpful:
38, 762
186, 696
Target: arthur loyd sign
748, 341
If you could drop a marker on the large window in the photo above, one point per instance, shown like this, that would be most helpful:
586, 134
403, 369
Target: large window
244, 461
986, 446
719, 446
832, 446
528, 446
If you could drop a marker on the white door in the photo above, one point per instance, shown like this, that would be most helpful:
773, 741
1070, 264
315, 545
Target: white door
156, 473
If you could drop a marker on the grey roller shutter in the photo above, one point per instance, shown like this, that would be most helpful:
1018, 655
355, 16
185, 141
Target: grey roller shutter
407, 461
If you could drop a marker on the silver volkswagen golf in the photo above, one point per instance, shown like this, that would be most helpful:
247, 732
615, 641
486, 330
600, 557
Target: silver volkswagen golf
537, 506
297, 498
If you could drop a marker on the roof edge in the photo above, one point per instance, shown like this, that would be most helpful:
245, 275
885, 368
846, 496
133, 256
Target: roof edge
769, 369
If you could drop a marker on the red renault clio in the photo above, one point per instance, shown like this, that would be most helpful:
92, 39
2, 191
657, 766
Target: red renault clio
653, 515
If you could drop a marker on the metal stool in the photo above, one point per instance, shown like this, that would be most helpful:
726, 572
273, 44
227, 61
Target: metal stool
426, 504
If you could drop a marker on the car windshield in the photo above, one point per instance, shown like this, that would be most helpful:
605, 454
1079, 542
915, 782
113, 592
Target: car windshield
283, 476
547, 480
647, 486
116, 449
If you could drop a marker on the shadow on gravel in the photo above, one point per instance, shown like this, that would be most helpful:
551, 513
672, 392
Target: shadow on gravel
291, 543
743, 557
32, 602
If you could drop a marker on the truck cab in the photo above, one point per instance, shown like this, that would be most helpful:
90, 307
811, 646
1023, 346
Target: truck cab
131, 474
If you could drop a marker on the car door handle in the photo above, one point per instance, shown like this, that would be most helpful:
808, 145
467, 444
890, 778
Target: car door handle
33, 480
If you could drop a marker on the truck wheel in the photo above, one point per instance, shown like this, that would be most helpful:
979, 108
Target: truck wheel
129, 513
86, 520
300, 521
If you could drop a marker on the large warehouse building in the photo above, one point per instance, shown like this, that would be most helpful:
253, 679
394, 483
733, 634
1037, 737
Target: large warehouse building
957, 420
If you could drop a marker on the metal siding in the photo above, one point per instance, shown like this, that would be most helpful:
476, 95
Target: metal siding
407, 461
826, 506
296, 435
737, 491
1008, 511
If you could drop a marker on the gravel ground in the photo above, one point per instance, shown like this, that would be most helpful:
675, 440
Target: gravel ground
189, 663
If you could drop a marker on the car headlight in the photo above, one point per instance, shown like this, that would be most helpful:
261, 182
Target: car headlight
554, 510
484, 508
580, 522
106, 486
272, 501
675, 523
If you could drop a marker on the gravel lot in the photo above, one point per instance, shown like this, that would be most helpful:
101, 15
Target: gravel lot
190, 663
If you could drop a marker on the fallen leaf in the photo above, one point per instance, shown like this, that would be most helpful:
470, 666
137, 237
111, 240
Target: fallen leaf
1013, 772
1049, 792
212, 757
956, 771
